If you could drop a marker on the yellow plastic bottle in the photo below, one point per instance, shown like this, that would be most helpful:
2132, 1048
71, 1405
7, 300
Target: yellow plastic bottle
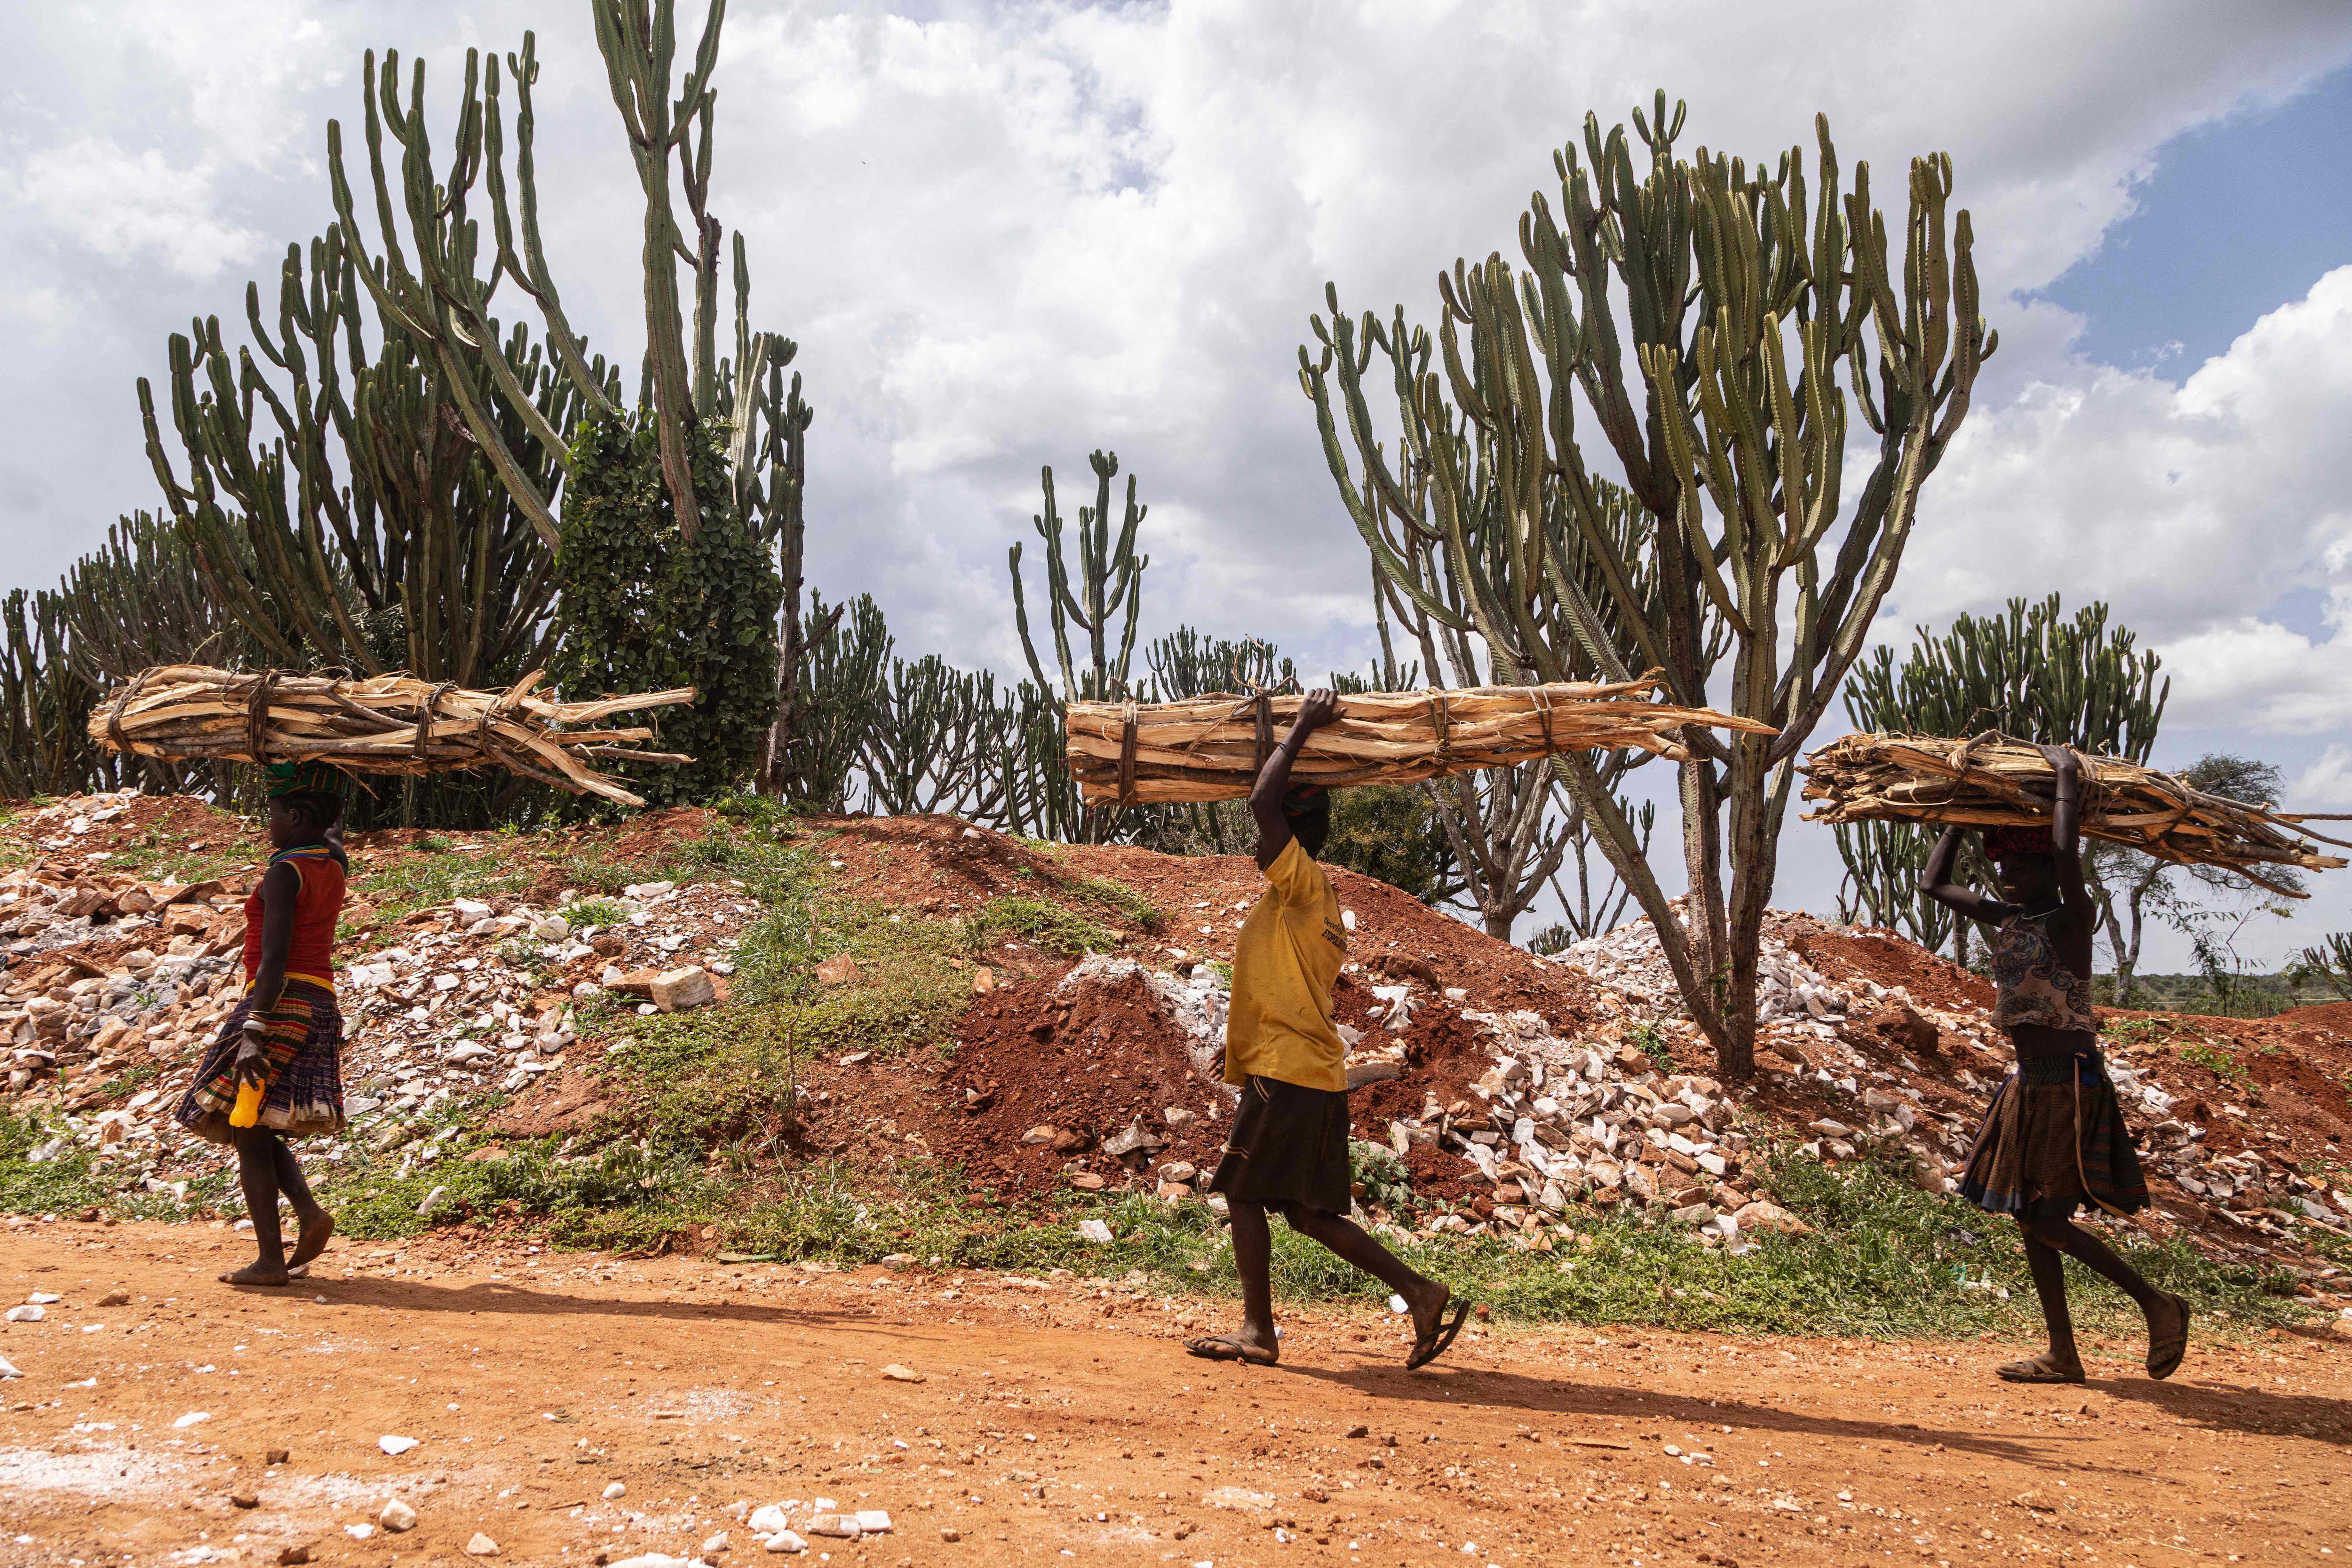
248, 1105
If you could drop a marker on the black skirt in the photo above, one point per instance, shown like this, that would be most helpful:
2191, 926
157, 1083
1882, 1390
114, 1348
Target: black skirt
1289, 1145
2054, 1143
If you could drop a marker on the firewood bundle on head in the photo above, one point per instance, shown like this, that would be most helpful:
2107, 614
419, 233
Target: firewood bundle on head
384, 724
1211, 748
1993, 781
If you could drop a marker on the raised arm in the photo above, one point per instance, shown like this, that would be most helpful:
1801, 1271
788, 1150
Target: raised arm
2066, 835
1935, 881
1319, 708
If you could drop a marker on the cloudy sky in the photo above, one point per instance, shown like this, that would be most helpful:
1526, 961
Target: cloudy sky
1005, 235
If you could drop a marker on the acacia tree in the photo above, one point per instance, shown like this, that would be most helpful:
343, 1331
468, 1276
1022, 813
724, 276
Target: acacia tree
1746, 294
2133, 888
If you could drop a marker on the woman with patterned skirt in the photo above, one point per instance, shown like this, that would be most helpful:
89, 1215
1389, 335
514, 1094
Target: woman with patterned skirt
286, 1036
2054, 1140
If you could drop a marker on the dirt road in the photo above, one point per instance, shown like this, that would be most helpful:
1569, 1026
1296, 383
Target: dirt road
1057, 1420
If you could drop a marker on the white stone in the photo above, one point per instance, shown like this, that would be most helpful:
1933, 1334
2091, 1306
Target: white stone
8, 1369
677, 989
839, 1526
26, 1314
712, 1545
192, 1417
394, 1445
615, 1492
483, 1546
785, 1541
872, 1522
1095, 1231
398, 1516
470, 909
768, 1519
359, 1532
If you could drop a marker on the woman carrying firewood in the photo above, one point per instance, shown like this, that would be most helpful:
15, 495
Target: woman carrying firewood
274, 1073
2054, 1139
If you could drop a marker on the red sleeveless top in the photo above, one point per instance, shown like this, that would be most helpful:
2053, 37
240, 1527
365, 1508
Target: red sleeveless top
318, 905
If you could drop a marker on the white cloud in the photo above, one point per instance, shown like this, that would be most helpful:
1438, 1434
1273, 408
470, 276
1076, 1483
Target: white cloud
2191, 509
2327, 782
1006, 235
118, 206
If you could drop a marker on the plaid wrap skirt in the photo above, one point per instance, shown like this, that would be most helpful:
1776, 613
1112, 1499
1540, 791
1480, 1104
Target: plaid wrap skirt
305, 1043
1289, 1145
2054, 1142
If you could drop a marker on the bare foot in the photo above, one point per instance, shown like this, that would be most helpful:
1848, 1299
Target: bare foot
311, 1239
257, 1273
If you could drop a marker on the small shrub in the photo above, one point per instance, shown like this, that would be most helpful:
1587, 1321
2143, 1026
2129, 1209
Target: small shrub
1044, 924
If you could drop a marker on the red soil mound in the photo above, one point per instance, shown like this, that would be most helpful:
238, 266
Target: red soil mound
1088, 1062
1893, 961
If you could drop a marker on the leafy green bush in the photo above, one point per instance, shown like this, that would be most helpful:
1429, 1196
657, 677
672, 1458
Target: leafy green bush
648, 608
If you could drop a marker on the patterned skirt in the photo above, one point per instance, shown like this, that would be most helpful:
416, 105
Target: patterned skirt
1289, 1145
306, 1081
2054, 1142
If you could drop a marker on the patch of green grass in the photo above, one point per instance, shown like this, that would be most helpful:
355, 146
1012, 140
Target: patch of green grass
621, 1197
527, 958
1043, 924
2220, 1063
1128, 906
597, 912
399, 886
62, 1183
1652, 1044
73, 1179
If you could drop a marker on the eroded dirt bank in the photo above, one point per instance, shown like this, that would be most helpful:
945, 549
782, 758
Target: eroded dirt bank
1057, 1420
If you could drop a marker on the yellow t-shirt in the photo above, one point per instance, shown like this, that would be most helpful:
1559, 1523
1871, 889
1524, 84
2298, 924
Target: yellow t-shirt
1284, 961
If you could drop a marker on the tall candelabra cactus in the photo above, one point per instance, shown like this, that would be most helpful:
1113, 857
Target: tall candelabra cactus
1110, 579
2036, 674
1106, 592
1716, 382
45, 747
1438, 487
338, 505
706, 523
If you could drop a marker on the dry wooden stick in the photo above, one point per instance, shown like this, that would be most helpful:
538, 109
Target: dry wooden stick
385, 724
1211, 748
1993, 780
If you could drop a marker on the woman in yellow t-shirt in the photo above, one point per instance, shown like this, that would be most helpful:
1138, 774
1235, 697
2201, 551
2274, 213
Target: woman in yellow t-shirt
1288, 1148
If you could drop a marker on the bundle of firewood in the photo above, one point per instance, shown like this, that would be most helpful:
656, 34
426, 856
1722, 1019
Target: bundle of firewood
1993, 780
384, 724
1211, 748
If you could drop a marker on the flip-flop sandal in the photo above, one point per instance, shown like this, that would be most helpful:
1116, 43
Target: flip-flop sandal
2164, 1355
2037, 1370
1433, 1343
1221, 1348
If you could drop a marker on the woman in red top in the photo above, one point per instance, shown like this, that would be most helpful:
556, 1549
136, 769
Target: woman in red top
286, 1036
